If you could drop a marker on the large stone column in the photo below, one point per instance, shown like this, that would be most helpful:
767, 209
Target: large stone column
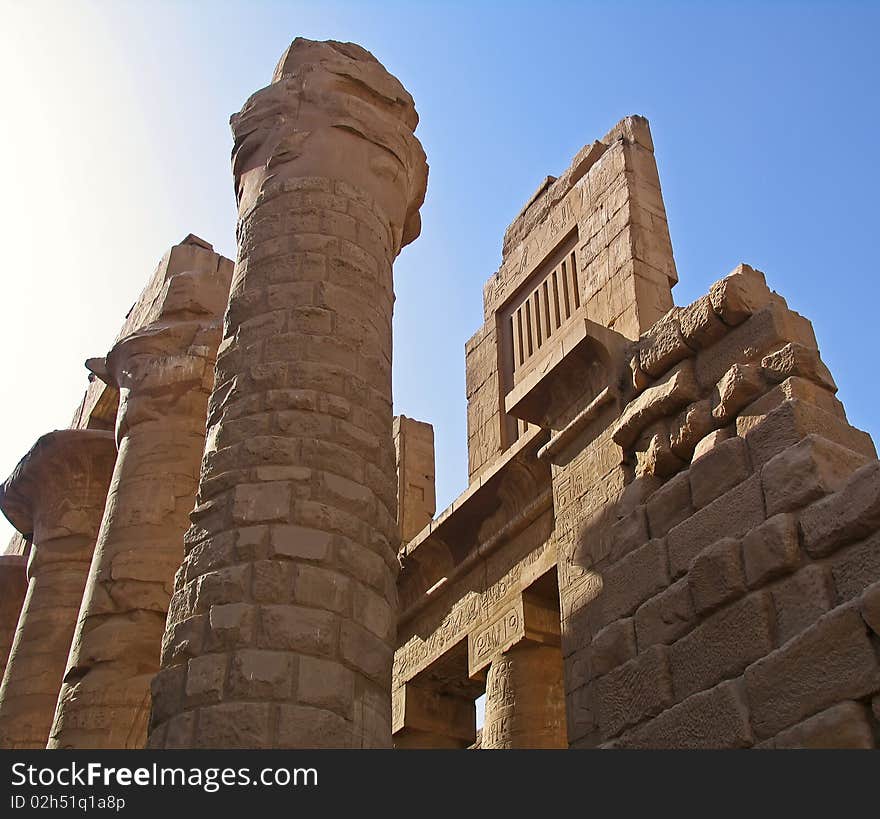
525, 700
281, 628
57, 494
13, 585
164, 373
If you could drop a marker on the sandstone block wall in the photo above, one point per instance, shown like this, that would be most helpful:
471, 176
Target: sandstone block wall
727, 597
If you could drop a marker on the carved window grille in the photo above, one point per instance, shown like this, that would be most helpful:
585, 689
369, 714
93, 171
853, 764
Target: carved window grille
544, 311
545, 304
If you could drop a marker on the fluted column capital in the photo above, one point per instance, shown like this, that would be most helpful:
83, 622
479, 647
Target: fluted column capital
58, 489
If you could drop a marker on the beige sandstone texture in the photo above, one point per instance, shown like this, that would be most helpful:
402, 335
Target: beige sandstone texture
281, 627
675, 492
416, 496
13, 585
164, 372
56, 495
670, 536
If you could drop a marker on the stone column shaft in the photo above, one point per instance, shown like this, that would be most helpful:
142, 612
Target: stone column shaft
281, 629
57, 492
525, 699
164, 372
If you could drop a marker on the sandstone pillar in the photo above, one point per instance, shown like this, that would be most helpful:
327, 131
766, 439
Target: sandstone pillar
164, 373
13, 585
281, 629
57, 494
525, 700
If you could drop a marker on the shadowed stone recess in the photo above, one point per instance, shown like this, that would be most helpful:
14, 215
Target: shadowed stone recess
281, 628
56, 494
13, 585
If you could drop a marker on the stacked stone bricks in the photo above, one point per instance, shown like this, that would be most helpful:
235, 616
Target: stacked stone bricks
281, 628
734, 601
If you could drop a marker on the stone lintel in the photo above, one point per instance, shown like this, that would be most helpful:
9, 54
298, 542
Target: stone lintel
525, 618
541, 395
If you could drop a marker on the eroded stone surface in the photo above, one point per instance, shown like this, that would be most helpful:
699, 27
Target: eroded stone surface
164, 373
298, 480
56, 495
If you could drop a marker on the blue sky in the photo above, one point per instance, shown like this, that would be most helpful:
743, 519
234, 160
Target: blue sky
117, 143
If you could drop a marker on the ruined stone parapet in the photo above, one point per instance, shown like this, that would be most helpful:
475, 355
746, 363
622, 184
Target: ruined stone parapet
56, 494
281, 628
718, 598
164, 373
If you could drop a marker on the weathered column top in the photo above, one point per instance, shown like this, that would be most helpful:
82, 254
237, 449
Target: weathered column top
163, 367
333, 106
58, 489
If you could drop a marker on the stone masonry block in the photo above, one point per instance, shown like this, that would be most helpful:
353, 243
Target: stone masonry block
739, 294
326, 684
856, 567
800, 600
805, 472
830, 661
789, 390
716, 575
633, 692
261, 502
717, 718
629, 533
295, 628
669, 505
710, 441
205, 676
771, 326
732, 515
849, 514
771, 549
636, 493
612, 646
633, 579
869, 605
675, 391
700, 325
737, 388
663, 346
791, 422
363, 650
723, 467
234, 725
657, 457
259, 675
722, 646
845, 725
797, 360
689, 428
666, 616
